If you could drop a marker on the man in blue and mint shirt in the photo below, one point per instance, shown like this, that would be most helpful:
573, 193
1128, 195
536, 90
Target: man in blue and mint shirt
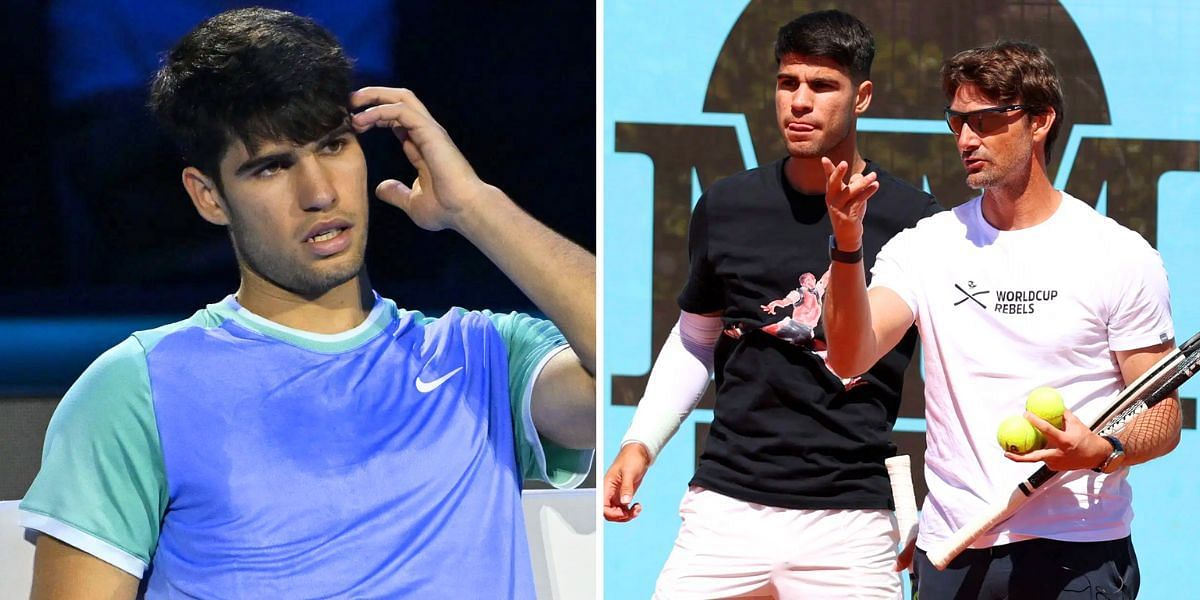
304, 437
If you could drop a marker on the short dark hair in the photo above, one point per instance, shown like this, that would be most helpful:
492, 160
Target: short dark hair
1010, 73
252, 75
830, 34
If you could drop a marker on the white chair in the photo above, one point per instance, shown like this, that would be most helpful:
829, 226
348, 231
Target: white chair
561, 525
16, 555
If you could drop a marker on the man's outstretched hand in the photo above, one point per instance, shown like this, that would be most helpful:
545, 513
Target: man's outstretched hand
847, 202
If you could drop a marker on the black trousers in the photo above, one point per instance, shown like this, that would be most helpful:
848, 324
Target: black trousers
1033, 570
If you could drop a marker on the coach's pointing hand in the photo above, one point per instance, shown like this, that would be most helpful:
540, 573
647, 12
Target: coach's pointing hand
446, 188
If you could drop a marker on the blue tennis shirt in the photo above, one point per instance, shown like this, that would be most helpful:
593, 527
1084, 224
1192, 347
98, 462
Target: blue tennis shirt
227, 456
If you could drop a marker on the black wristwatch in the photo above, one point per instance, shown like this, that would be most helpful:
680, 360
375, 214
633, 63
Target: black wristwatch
1116, 459
841, 255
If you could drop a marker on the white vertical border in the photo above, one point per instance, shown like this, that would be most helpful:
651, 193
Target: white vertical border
601, 378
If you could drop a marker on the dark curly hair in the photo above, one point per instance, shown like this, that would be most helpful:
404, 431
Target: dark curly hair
1010, 73
252, 75
829, 34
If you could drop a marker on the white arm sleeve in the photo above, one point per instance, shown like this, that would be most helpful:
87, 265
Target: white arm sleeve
677, 381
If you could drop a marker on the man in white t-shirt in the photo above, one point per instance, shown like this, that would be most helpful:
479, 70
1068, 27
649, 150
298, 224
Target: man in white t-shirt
1023, 286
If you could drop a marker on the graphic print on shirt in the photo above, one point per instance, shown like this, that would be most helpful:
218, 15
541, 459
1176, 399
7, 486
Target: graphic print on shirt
972, 295
1005, 302
798, 327
805, 300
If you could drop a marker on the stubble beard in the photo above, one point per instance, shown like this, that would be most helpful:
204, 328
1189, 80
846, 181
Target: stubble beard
806, 150
288, 273
982, 180
997, 173
813, 149
822, 145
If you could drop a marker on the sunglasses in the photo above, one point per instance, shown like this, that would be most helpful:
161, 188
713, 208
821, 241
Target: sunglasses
982, 121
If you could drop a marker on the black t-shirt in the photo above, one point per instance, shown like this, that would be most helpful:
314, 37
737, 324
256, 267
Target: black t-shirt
786, 432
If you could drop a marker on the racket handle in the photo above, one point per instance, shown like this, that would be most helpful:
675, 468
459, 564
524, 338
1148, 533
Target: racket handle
900, 474
1035, 481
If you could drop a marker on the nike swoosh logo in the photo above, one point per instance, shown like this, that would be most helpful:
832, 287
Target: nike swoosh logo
428, 386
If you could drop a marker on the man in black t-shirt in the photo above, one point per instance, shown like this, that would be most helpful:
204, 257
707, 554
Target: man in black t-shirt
791, 497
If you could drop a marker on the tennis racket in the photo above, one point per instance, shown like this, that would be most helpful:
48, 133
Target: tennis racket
1151, 388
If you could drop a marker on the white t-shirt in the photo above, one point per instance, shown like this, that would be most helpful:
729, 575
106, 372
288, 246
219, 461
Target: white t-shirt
1001, 313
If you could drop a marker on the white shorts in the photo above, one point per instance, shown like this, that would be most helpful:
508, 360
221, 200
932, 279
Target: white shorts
729, 548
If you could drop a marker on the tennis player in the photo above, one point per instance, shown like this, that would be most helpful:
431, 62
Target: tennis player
305, 437
791, 498
1021, 287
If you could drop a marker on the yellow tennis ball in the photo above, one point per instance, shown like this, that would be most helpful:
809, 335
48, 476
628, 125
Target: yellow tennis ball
1046, 403
1019, 436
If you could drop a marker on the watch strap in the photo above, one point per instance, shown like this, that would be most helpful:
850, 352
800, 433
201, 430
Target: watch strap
1117, 451
843, 256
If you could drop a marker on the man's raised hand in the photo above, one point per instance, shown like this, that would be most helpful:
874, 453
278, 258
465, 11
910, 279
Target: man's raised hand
847, 202
446, 188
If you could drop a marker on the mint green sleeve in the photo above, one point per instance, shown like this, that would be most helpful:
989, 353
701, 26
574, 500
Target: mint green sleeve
102, 484
531, 343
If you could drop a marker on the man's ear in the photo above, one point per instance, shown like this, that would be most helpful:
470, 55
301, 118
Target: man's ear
1042, 124
205, 196
862, 97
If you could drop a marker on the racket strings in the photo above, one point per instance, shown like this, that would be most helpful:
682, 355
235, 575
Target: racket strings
1154, 432
1150, 428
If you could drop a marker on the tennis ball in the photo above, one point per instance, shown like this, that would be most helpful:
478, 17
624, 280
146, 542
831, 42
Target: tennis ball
1046, 403
1019, 436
